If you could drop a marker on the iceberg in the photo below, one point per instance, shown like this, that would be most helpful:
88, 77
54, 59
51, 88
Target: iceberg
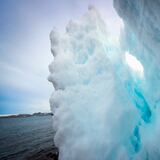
106, 96
141, 37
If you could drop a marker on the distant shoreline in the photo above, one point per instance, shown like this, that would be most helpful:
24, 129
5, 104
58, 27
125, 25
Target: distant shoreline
26, 115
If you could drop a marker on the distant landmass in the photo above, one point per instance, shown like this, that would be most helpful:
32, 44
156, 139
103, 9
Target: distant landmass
26, 115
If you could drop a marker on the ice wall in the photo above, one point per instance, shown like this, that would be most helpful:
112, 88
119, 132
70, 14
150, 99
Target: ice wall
141, 37
103, 108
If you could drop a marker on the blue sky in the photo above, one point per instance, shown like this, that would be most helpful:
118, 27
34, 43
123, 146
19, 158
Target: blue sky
25, 47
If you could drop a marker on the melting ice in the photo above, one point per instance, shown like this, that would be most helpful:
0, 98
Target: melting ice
106, 95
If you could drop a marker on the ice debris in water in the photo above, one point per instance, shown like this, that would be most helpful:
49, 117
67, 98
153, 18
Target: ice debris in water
103, 108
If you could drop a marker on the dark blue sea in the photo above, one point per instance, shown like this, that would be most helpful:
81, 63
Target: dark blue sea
26, 138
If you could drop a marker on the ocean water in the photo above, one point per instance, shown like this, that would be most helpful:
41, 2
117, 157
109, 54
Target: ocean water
21, 138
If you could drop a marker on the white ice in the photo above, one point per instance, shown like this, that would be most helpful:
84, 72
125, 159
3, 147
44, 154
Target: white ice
103, 103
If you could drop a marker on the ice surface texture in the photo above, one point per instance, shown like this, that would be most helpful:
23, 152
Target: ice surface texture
141, 37
102, 109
